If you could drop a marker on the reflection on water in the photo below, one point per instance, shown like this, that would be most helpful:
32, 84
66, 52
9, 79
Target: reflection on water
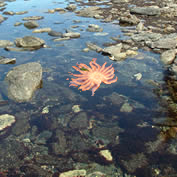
63, 129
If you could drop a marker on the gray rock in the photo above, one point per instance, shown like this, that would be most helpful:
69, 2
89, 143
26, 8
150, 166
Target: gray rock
94, 47
151, 11
23, 80
31, 24
71, 7
6, 120
94, 28
33, 18
42, 30
5, 43
1, 18
71, 35
29, 42
79, 121
164, 43
168, 56
129, 20
4, 60
54, 33
8, 13
89, 11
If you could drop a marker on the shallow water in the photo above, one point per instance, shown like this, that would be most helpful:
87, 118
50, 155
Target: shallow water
121, 117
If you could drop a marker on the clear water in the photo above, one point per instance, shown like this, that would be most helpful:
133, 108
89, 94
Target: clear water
137, 144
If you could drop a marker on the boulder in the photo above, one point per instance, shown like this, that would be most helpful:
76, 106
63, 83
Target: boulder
23, 80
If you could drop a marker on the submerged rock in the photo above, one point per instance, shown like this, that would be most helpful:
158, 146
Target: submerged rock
42, 30
73, 173
5, 43
4, 60
33, 18
23, 80
31, 24
71, 35
94, 28
6, 120
29, 42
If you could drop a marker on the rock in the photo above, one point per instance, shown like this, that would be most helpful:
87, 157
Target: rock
94, 28
94, 47
5, 43
174, 68
2, 4
21, 13
131, 53
6, 120
115, 52
54, 33
61, 39
71, 7
71, 35
76, 108
100, 34
31, 24
29, 42
18, 24
89, 11
79, 121
151, 11
140, 26
129, 20
4, 60
168, 56
106, 154
42, 30
23, 80
73, 173
1, 18
33, 18
138, 76
8, 13
126, 107
164, 43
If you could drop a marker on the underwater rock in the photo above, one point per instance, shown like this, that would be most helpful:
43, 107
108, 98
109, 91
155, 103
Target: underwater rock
42, 30
4, 60
73, 173
6, 120
106, 154
30, 42
94, 28
5, 43
31, 24
33, 18
23, 80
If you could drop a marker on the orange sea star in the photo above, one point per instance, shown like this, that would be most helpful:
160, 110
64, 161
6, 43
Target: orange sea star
91, 78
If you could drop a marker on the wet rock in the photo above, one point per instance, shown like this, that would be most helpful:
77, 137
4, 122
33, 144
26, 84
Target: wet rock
6, 120
126, 107
76, 108
43, 137
18, 24
21, 12
129, 20
4, 60
167, 42
2, 4
8, 13
33, 18
54, 33
120, 1
1, 18
115, 51
106, 154
136, 161
151, 11
5, 43
73, 173
61, 39
96, 174
140, 26
23, 80
94, 47
71, 35
42, 30
94, 28
89, 11
31, 24
71, 7
168, 56
59, 146
79, 121
29, 42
